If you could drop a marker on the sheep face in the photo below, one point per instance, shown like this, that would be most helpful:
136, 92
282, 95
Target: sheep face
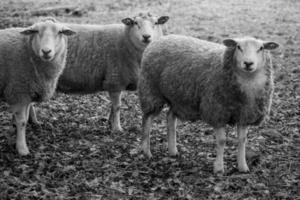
47, 38
249, 54
145, 28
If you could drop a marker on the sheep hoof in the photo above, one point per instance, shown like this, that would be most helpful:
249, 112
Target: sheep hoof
219, 171
117, 130
35, 122
218, 168
146, 151
244, 169
23, 151
173, 153
148, 154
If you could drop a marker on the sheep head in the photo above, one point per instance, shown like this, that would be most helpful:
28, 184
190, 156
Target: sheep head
47, 37
249, 53
144, 28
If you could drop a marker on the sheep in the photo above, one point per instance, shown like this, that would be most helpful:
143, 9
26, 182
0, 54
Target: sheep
107, 58
230, 84
31, 60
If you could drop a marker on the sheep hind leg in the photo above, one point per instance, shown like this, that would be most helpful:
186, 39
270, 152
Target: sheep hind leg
221, 140
241, 156
21, 114
114, 116
146, 129
32, 116
172, 122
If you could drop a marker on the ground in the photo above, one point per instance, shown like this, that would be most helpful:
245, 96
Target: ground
74, 155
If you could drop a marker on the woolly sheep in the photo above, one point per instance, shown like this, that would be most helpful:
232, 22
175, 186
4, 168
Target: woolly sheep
221, 85
31, 60
107, 58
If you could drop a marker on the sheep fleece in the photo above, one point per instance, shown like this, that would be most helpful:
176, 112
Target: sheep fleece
100, 58
23, 76
197, 80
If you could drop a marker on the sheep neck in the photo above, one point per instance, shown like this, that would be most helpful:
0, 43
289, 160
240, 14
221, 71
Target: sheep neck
131, 48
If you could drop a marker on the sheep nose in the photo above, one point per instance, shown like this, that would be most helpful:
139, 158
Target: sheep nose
146, 37
46, 52
248, 64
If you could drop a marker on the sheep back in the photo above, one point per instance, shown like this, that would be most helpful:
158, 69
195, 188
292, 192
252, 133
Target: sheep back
190, 76
99, 58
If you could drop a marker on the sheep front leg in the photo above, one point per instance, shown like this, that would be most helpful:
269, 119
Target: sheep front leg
21, 113
241, 156
32, 116
114, 116
221, 140
146, 128
172, 145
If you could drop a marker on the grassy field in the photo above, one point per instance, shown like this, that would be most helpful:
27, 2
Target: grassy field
75, 156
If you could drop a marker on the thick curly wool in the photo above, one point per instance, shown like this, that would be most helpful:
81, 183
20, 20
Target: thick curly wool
198, 80
23, 76
100, 58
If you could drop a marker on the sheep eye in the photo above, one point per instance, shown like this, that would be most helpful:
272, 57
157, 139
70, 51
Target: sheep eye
239, 48
261, 48
156, 23
33, 31
135, 23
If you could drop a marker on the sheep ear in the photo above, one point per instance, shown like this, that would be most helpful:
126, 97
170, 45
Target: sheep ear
270, 45
163, 19
67, 31
128, 21
229, 43
29, 31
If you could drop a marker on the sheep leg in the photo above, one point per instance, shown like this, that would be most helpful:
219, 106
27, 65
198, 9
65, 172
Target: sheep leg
146, 128
21, 114
172, 122
114, 116
32, 116
241, 156
221, 140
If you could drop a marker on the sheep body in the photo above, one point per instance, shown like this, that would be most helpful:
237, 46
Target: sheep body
100, 58
201, 80
189, 76
24, 77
